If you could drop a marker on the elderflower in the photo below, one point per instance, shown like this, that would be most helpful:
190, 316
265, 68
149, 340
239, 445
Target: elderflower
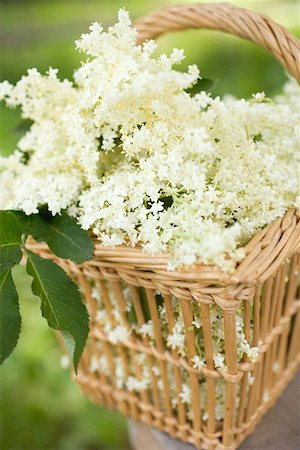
147, 330
133, 384
198, 363
219, 361
251, 380
176, 340
118, 334
186, 395
94, 365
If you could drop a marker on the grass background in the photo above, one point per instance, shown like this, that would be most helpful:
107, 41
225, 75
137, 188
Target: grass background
40, 407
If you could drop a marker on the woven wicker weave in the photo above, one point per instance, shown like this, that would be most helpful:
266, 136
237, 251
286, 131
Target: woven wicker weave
264, 286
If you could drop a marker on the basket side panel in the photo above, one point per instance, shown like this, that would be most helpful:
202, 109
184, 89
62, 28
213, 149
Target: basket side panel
184, 363
272, 323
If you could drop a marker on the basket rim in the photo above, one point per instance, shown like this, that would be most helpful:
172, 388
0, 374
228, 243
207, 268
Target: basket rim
264, 254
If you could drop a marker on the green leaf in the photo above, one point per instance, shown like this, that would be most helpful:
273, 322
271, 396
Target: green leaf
61, 232
67, 240
203, 84
32, 225
10, 240
10, 318
23, 125
61, 303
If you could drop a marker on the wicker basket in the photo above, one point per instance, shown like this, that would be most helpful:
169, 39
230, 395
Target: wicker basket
263, 290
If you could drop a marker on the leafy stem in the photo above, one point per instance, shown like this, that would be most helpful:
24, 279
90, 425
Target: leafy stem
61, 303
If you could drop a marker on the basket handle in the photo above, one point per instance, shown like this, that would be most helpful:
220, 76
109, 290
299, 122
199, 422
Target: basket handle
231, 19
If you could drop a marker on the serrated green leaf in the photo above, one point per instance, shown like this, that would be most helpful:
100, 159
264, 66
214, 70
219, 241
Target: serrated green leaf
61, 232
10, 318
61, 303
10, 240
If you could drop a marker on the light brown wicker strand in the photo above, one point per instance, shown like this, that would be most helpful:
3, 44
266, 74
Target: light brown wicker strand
121, 351
265, 374
275, 359
228, 18
243, 393
294, 339
177, 374
144, 398
106, 345
160, 347
188, 318
289, 240
259, 388
274, 365
265, 238
232, 365
264, 259
282, 347
257, 239
118, 294
274, 300
281, 293
283, 343
92, 349
145, 345
264, 346
109, 401
280, 279
106, 301
267, 371
93, 308
109, 356
251, 396
256, 316
265, 307
209, 352
244, 381
292, 284
137, 305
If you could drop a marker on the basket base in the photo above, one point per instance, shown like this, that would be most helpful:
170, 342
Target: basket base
278, 430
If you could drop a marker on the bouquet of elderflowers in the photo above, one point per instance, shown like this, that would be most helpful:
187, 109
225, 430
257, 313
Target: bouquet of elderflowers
131, 152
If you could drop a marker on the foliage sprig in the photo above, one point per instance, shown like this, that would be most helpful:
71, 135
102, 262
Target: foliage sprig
61, 303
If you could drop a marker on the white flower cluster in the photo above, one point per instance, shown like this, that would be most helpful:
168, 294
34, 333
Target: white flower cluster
137, 158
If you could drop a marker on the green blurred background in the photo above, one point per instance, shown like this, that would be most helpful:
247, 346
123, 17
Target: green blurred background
41, 408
